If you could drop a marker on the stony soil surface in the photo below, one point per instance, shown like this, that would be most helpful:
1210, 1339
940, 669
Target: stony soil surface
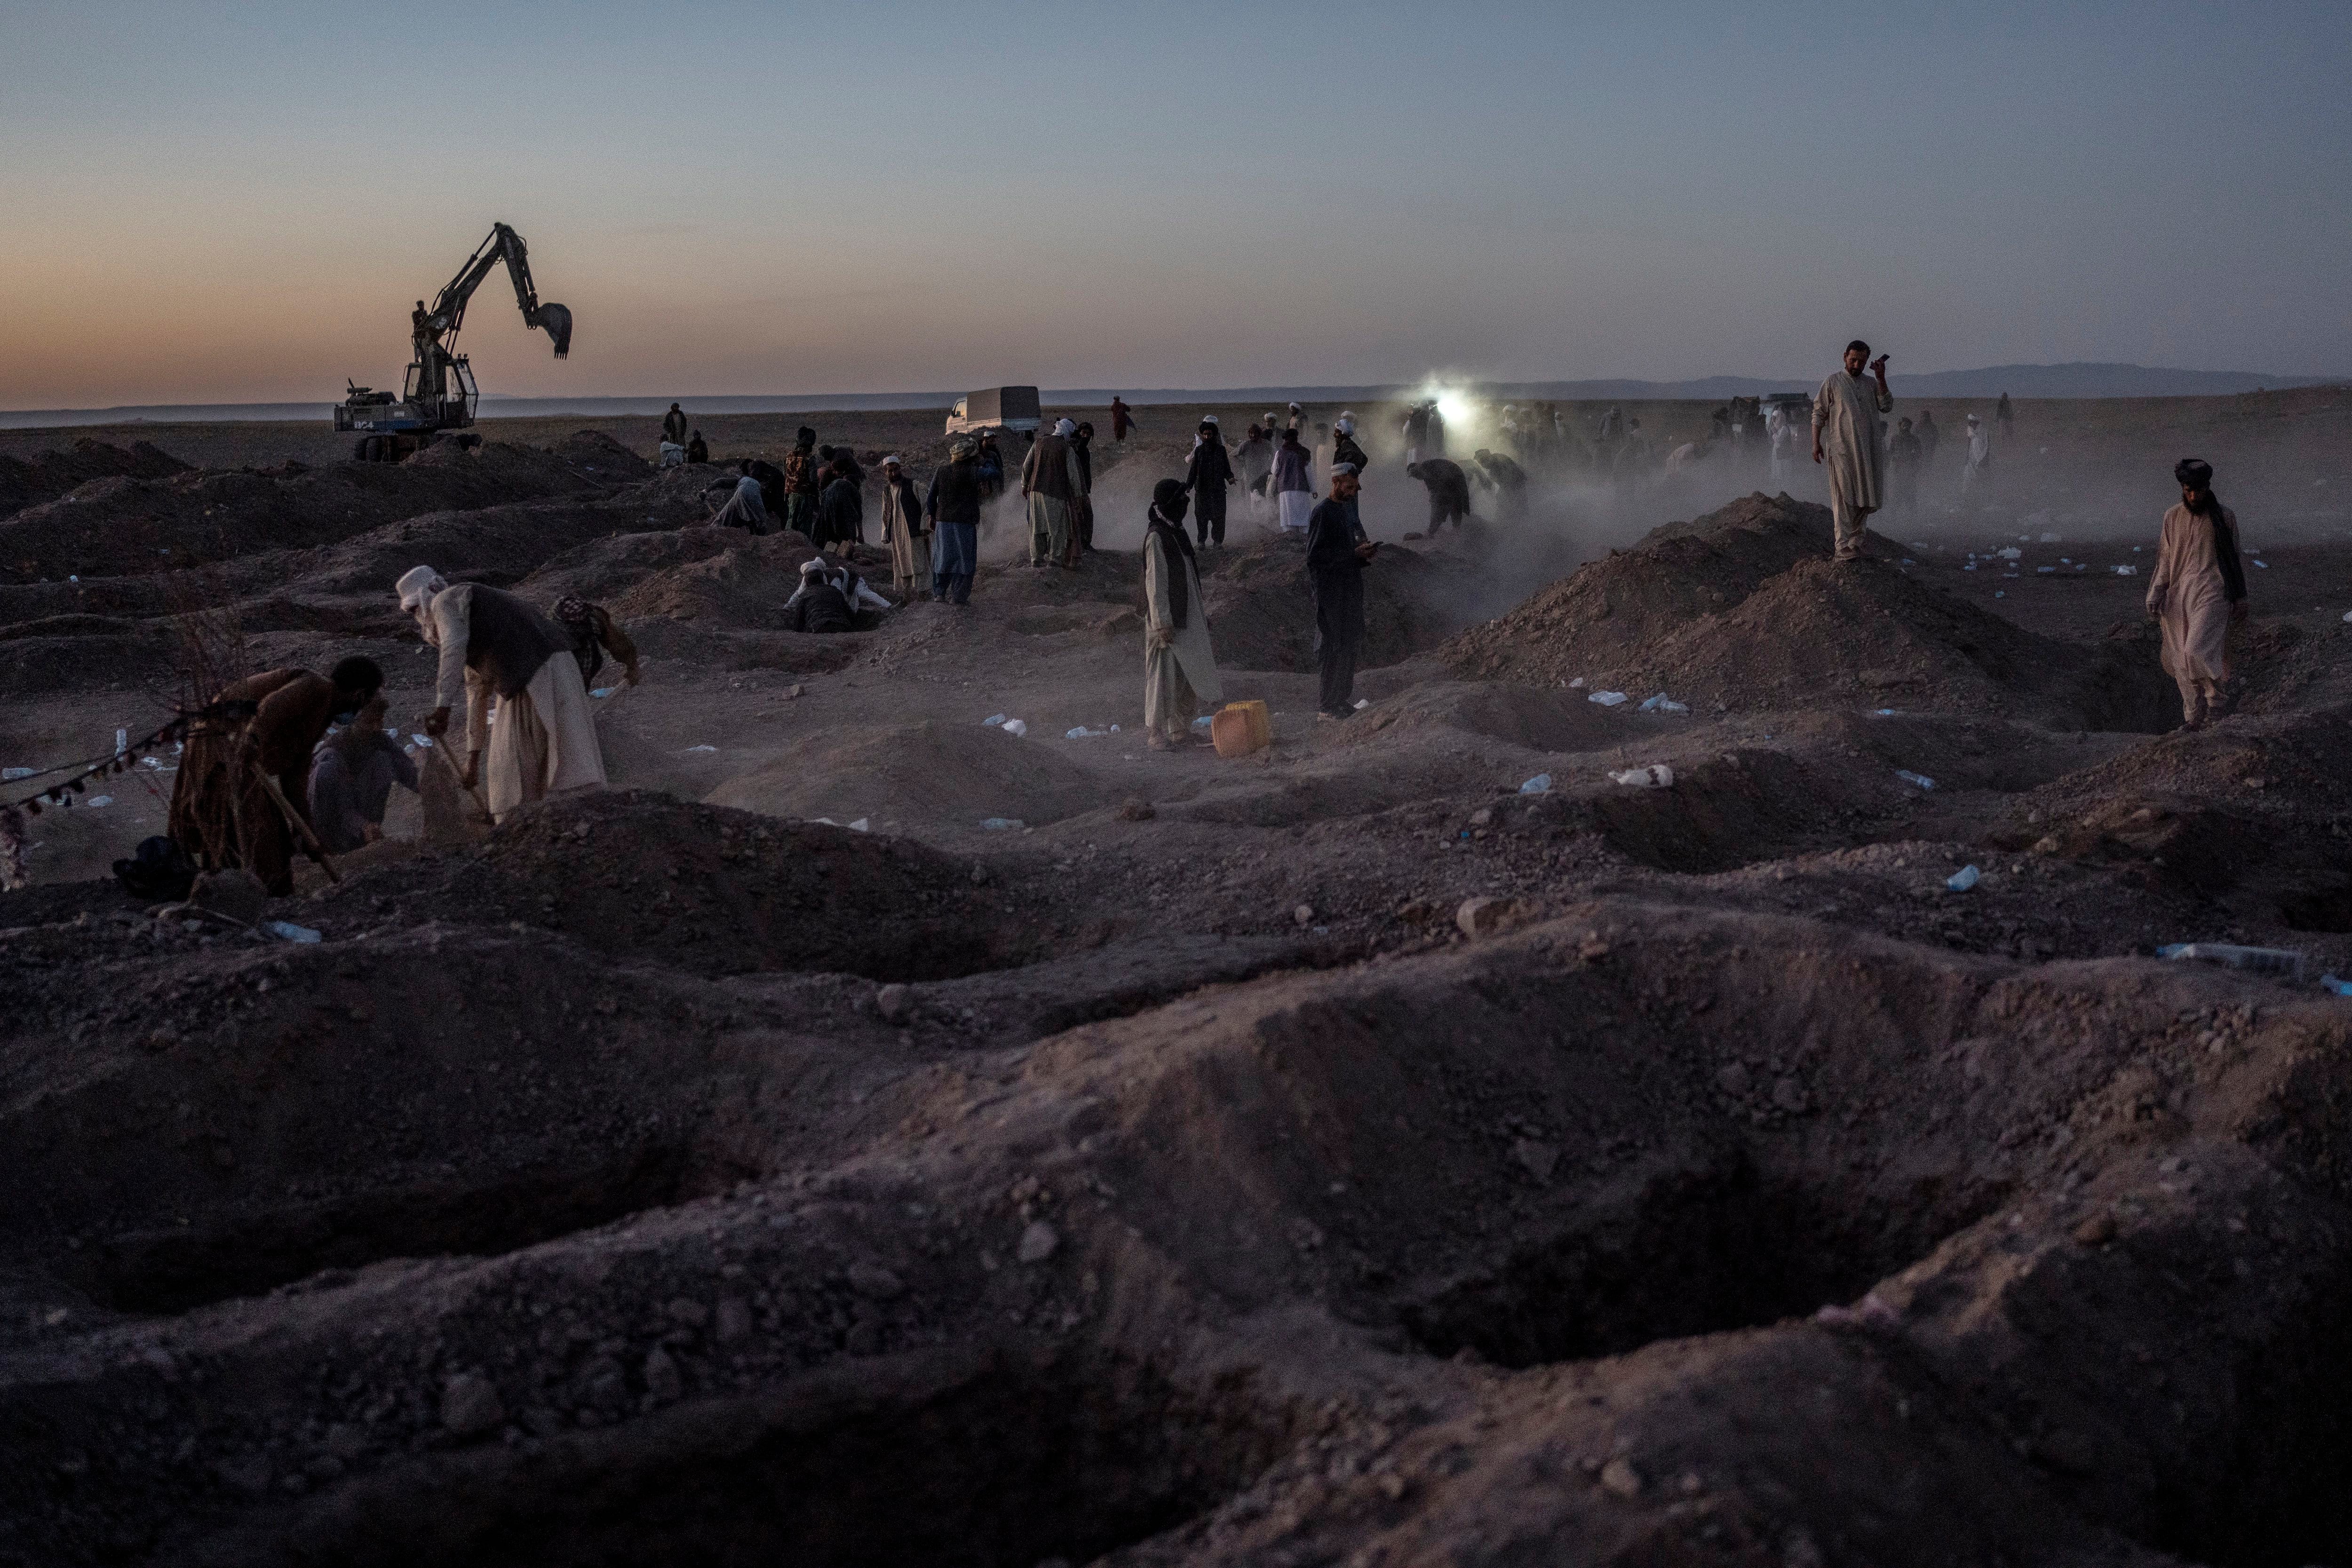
1340, 1156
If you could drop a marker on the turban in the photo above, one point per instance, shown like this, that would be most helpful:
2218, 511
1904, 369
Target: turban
892, 459
1169, 499
1064, 427
1208, 419
2194, 471
812, 567
417, 586
1346, 427
1339, 468
962, 447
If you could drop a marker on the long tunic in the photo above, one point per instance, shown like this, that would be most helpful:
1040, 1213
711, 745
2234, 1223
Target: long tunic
2190, 595
744, 509
1189, 643
544, 741
1854, 440
902, 526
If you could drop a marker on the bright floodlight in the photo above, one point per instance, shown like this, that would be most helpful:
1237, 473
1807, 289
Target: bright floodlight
1452, 408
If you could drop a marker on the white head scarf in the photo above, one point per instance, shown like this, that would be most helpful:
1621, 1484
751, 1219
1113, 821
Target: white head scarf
416, 588
1064, 427
1346, 427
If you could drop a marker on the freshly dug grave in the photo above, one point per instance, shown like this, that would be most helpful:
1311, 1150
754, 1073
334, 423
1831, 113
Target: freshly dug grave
1743, 608
53, 473
1242, 1243
128, 526
705, 890
916, 777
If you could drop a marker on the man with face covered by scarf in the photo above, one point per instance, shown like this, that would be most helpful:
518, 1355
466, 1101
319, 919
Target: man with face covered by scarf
2198, 592
222, 812
496, 647
1180, 673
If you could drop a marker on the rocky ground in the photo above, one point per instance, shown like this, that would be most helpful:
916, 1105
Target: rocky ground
1341, 1155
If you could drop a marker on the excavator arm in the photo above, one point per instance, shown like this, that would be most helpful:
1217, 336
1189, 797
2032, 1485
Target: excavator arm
448, 312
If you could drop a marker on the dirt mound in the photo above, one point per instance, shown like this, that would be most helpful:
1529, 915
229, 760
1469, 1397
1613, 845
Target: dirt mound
1261, 617
706, 890
742, 586
2255, 814
593, 451
922, 775
1744, 608
127, 525
1539, 719
53, 473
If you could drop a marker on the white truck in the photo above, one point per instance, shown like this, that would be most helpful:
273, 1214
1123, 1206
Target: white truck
995, 408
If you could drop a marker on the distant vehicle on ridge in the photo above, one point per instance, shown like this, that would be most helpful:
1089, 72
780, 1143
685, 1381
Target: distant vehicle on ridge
995, 408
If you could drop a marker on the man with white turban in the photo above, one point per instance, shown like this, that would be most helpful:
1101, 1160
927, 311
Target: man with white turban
542, 741
1850, 436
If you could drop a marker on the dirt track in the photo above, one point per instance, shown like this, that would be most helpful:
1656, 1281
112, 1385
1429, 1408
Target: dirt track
669, 1176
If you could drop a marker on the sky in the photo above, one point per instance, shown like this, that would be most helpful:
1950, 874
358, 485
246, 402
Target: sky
216, 204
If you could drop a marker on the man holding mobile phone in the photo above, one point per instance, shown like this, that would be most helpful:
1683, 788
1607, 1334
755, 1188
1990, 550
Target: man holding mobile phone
1850, 437
1336, 554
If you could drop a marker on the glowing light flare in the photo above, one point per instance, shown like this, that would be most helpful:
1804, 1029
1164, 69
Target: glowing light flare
1454, 409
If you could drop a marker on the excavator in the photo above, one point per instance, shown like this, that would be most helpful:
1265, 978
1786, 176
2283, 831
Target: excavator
439, 395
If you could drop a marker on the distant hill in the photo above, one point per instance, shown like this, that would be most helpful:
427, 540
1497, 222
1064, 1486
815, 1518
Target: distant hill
2084, 380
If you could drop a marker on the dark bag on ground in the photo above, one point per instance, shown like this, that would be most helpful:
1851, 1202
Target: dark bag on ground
160, 869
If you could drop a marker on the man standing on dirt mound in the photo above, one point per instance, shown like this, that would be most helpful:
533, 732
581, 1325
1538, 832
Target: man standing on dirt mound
2198, 593
1846, 420
494, 644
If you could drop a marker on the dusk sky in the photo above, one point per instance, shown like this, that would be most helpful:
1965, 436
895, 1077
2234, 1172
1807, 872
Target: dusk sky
240, 203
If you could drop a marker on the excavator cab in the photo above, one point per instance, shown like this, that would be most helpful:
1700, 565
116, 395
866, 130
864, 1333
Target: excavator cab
439, 395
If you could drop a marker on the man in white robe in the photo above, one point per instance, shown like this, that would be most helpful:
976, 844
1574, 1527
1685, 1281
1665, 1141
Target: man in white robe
1850, 436
495, 646
1977, 476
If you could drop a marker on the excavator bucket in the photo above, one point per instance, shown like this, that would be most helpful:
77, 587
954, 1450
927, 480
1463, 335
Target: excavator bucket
557, 319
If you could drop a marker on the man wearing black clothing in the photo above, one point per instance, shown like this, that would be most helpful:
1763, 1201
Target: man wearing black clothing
953, 507
1336, 554
1205, 478
674, 426
1449, 491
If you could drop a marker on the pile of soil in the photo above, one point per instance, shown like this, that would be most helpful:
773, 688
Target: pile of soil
706, 890
53, 473
130, 524
1262, 615
919, 777
1742, 608
744, 586
2254, 815
1531, 717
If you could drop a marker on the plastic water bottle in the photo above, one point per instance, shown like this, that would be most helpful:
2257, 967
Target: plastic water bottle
1967, 877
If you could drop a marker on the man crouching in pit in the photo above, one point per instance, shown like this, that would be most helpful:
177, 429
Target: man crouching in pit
544, 741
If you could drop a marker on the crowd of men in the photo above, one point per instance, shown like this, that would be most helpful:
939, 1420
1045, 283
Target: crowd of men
290, 762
